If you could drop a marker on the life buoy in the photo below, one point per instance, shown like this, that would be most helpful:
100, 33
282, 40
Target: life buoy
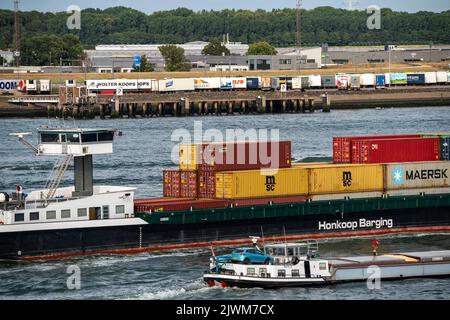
295, 260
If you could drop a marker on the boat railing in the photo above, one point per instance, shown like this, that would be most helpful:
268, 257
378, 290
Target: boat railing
36, 204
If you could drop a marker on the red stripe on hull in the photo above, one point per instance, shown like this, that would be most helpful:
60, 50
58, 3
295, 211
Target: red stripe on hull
243, 241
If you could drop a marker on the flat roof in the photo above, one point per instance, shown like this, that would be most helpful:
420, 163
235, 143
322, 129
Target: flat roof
75, 130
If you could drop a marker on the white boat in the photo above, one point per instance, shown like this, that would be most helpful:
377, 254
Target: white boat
298, 264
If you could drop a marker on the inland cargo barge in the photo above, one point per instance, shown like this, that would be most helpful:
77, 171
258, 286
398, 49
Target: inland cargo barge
88, 219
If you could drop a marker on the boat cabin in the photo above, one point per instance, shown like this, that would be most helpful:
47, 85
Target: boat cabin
283, 253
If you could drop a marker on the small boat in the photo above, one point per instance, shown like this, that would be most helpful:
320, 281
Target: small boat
299, 264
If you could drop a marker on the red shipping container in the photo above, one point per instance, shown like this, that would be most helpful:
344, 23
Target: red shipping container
395, 150
185, 205
171, 183
230, 156
342, 146
206, 184
188, 184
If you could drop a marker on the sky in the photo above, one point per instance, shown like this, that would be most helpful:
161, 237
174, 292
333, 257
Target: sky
149, 6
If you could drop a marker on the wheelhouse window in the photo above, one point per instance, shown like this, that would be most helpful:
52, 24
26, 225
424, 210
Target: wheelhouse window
19, 217
250, 271
89, 137
105, 212
34, 216
281, 273
49, 137
295, 273
65, 214
73, 137
82, 212
105, 136
120, 209
51, 215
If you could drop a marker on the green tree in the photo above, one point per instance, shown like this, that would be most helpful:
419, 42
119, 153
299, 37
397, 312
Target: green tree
215, 48
145, 66
174, 58
261, 48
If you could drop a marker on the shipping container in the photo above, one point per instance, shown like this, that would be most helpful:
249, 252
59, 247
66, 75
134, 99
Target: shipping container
296, 83
445, 149
207, 83
206, 184
184, 205
253, 83
171, 183
226, 156
441, 77
355, 82
315, 81
415, 78
345, 178
329, 81
395, 150
144, 84
233, 83
431, 174
398, 79
346, 196
380, 80
275, 83
430, 78
266, 201
388, 79
188, 184
342, 81
342, 146
261, 183
367, 80
266, 83
176, 84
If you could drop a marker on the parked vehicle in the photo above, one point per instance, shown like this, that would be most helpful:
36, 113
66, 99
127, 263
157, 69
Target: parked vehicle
250, 256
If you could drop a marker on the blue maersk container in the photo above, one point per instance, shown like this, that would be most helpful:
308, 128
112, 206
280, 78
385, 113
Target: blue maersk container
380, 80
252, 83
415, 78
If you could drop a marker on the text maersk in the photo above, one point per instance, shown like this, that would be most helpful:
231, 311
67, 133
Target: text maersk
426, 174
356, 224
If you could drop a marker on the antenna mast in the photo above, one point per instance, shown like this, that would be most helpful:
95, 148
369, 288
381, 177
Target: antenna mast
16, 37
299, 27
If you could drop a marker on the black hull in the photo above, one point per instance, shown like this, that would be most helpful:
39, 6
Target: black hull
52, 243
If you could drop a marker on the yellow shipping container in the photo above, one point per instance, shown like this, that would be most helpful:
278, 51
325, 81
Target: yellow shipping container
261, 183
189, 155
345, 178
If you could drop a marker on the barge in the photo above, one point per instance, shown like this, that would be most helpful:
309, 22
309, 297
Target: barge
83, 219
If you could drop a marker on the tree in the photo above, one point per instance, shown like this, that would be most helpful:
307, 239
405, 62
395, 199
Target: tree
145, 66
215, 48
261, 48
174, 58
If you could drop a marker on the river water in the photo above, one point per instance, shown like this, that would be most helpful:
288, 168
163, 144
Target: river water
144, 150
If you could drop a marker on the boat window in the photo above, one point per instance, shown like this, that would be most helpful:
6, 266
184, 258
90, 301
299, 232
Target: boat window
51, 215
290, 251
82, 212
279, 251
281, 273
65, 213
323, 266
89, 137
262, 271
19, 217
34, 216
73, 137
105, 136
250, 271
105, 212
120, 209
295, 273
49, 137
